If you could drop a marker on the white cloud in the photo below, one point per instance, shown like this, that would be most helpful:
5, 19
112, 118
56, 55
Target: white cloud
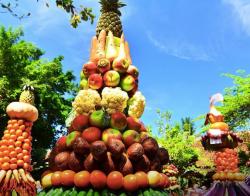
241, 9
180, 48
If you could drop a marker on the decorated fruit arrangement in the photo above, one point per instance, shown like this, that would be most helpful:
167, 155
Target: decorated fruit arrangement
99, 183
107, 145
15, 147
226, 162
218, 135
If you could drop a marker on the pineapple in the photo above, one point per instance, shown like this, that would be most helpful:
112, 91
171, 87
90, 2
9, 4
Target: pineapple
110, 17
27, 96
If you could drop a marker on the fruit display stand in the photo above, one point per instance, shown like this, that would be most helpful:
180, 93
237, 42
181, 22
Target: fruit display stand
227, 179
107, 150
15, 147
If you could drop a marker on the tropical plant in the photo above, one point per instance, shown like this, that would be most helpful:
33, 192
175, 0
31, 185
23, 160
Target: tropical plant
21, 63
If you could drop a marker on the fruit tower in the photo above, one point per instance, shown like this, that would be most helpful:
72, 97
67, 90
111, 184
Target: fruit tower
15, 147
107, 147
219, 138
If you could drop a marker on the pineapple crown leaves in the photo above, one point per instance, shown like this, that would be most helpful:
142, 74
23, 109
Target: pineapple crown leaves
28, 87
111, 6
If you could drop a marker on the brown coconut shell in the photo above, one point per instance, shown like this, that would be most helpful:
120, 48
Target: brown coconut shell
61, 160
150, 146
90, 163
81, 146
125, 166
99, 150
143, 164
75, 162
116, 147
107, 164
135, 151
163, 155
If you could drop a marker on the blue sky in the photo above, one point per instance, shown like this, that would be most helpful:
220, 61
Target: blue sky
180, 47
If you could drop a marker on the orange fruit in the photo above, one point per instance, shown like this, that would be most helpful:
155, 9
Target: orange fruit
115, 180
26, 166
98, 179
13, 137
13, 160
20, 122
22, 127
26, 159
18, 144
6, 159
12, 131
25, 152
16, 126
26, 146
11, 148
20, 163
13, 154
13, 166
56, 178
20, 138
5, 166
19, 132
142, 179
20, 156
67, 178
130, 183
82, 179
25, 135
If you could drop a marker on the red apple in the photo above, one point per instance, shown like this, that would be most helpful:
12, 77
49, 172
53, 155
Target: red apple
92, 134
130, 136
80, 122
133, 71
118, 121
120, 65
71, 138
133, 123
89, 68
95, 81
111, 134
61, 144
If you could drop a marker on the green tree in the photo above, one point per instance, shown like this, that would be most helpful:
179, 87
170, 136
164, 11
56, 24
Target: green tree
77, 13
236, 106
188, 125
20, 62
176, 140
185, 149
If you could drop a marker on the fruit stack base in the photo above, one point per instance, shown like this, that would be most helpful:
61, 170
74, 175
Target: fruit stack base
105, 192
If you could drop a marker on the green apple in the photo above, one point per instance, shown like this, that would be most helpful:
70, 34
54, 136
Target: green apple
111, 134
128, 83
130, 136
84, 84
72, 137
99, 119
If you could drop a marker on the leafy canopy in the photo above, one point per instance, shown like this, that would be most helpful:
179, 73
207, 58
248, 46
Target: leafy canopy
21, 63
236, 106
77, 13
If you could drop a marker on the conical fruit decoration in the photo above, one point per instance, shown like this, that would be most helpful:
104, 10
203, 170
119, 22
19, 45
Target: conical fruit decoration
15, 147
222, 141
107, 146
